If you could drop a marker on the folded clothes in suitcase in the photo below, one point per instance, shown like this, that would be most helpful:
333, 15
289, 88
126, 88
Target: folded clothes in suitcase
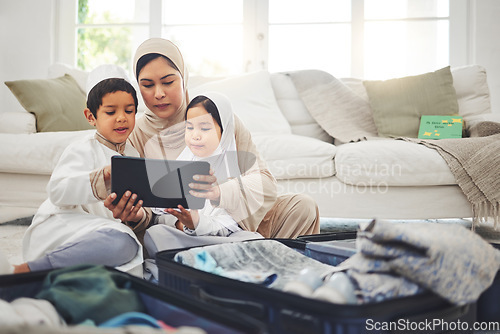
290, 313
168, 307
336, 247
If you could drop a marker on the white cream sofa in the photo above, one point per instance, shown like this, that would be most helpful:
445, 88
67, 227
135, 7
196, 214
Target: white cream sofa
381, 178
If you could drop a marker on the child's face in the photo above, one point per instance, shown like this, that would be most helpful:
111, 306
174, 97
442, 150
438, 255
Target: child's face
115, 117
202, 132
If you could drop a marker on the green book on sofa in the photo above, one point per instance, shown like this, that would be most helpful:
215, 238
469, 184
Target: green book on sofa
440, 127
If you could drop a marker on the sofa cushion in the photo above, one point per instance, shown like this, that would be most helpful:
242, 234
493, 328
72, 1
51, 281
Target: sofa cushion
17, 122
57, 70
387, 162
57, 104
291, 156
472, 90
397, 104
35, 153
252, 99
294, 110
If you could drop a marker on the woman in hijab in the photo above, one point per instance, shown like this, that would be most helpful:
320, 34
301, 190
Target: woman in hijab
250, 199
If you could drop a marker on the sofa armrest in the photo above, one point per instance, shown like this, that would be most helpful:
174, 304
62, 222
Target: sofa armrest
35, 153
471, 121
17, 122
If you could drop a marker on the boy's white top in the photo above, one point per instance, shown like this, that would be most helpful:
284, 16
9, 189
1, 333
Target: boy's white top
71, 210
224, 163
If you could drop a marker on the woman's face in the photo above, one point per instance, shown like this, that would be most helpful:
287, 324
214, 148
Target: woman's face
161, 88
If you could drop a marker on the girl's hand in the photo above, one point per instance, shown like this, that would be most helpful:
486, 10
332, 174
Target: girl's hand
188, 218
125, 210
209, 189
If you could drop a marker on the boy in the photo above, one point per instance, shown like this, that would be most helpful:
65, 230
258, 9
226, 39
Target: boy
72, 226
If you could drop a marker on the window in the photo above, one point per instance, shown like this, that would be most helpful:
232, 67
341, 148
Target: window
312, 34
209, 33
108, 31
405, 37
372, 39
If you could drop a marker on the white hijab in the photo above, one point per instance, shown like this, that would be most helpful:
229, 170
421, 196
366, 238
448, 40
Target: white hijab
224, 160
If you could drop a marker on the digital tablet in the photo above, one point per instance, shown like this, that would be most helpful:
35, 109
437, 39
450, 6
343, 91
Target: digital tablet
158, 183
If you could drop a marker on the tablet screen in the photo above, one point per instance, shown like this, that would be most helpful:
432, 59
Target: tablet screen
159, 183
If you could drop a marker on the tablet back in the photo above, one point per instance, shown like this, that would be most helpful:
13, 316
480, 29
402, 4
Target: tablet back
159, 183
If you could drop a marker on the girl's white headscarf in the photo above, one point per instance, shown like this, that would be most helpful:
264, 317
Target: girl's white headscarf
165, 138
224, 160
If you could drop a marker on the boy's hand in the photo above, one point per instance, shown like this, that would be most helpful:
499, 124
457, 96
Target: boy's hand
125, 210
188, 218
107, 173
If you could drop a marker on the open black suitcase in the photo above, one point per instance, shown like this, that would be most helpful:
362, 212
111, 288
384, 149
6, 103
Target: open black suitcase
319, 247
288, 313
488, 304
332, 248
162, 304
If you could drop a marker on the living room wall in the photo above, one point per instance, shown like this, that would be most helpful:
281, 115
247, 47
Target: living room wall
26, 41
28, 37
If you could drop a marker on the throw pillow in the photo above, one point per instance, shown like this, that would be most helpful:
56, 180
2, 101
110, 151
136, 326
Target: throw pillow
397, 104
473, 94
293, 108
337, 109
59, 69
58, 103
252, 98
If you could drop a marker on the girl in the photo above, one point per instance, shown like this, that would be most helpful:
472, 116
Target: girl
209, 136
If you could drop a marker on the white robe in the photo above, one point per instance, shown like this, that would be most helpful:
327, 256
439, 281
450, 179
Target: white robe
71, 210
224, 162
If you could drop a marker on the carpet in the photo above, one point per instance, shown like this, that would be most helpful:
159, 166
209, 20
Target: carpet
11, 232
11, 237
25, 221
486, 230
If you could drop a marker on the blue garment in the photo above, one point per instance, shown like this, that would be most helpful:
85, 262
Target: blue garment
131, 318
267, 262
